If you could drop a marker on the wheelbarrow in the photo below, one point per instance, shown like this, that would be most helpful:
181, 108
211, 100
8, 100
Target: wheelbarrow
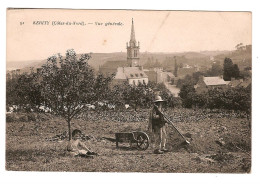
140, 138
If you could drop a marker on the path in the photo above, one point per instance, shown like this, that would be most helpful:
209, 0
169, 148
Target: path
172, 88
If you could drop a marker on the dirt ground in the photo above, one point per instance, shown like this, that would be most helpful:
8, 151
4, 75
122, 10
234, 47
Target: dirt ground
218, 145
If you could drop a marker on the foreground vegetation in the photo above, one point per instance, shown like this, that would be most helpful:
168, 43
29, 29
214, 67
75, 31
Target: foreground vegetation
218, 144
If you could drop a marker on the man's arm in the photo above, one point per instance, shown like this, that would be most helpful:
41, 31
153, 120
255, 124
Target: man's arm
159, 115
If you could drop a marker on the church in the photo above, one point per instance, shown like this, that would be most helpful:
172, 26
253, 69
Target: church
133, 73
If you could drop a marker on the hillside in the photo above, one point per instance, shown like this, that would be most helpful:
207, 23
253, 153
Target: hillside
243, 59
96, 60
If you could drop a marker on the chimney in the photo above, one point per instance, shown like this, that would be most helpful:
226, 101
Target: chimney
140, 67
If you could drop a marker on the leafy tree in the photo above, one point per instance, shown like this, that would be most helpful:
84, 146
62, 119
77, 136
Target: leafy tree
24, 91
28, 91
216, 70
200, 100
228, 69
236, 72
141, 95
175, 68
116, 95
11, 97
69, 84
189, 80
102, 86
138, 96
239, 46
187, 92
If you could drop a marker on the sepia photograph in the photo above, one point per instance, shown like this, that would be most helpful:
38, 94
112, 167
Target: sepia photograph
147, 91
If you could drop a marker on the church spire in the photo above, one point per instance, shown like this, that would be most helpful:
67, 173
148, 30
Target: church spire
132, 38
133, 49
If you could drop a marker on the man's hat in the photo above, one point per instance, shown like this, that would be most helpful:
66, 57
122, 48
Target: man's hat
158, 99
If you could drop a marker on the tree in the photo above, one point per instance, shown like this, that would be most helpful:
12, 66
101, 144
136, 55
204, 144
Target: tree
228, 69
28, 91
189, 80
216, 70
187, 93
175, 68
239, 46
236, 72
23, 90
11, 97
69, 84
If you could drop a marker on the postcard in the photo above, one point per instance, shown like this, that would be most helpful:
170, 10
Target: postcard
128, 91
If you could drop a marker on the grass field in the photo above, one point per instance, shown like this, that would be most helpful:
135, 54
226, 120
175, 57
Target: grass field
218, 145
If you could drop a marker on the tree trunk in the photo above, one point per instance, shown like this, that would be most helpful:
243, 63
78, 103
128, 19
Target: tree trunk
69, 129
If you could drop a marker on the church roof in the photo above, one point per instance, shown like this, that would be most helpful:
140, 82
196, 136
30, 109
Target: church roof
214, 81
130, 73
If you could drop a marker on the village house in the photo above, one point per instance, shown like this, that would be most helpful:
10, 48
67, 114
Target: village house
206, 83
158, 75
244, 83
133, 75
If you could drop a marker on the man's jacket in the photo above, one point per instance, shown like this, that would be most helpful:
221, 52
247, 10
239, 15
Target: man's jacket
156, 120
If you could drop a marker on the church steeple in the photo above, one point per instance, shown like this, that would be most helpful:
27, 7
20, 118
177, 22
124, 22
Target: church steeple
132, 49
132, 38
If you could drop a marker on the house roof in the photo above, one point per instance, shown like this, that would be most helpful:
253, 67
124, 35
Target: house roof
240, 83
234, 83
215, 81
130, 73
245, 83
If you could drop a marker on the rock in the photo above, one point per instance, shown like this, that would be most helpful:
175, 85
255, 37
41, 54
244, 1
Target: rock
223, 128
209, 160
220, 142
197, 159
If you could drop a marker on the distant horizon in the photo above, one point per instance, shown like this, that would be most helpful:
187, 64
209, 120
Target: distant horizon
63, 54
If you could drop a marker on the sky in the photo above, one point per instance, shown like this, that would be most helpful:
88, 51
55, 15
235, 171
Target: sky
157, 31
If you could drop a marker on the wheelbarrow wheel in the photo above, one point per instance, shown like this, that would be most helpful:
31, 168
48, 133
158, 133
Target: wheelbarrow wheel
142, 141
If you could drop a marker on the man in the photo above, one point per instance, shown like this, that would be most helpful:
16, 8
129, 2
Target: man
78, 148
157, 125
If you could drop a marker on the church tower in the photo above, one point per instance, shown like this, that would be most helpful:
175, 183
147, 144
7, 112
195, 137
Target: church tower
133, 49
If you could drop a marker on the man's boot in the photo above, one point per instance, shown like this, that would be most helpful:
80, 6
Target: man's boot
158, 151
164, 150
